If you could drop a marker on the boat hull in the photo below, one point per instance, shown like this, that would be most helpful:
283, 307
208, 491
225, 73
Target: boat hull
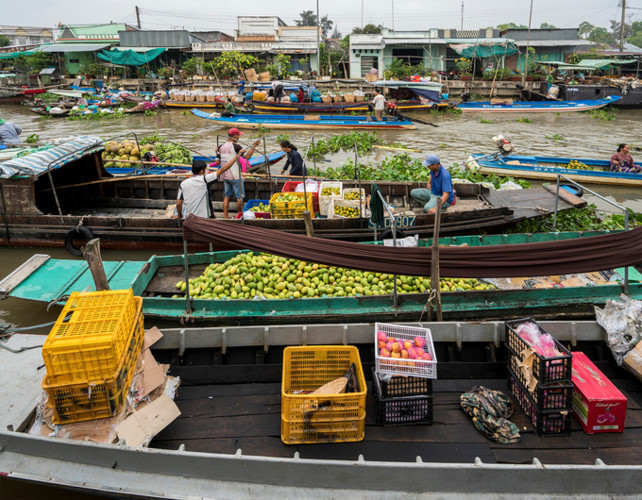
537, 106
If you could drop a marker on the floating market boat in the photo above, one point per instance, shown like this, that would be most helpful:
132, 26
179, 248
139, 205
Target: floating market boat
226, 441
548, 168
51, 281
63, 196
537, 106
306, 121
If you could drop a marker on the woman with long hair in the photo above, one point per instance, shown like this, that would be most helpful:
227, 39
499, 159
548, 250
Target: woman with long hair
294, 159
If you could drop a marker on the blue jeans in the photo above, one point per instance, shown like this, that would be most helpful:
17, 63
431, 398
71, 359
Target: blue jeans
427, 199
233, 187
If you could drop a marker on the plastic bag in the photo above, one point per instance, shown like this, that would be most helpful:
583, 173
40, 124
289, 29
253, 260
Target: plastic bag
622, 320
311, 186
408, 241
509, 185
248, 215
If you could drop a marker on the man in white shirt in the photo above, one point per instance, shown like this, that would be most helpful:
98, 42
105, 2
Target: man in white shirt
193, 193
277, 89
379, 103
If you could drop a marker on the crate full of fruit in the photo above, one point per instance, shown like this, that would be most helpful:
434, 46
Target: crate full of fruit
404, 350
328, 191
291, 205
347, 209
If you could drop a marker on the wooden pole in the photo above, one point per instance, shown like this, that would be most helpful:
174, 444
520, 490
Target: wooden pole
307, 219
434, 268
91, 253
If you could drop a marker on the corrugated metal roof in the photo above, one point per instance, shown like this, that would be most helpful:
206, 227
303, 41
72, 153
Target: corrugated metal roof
73, 47
553, 43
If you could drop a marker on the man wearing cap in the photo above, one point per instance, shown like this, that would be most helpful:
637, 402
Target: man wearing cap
9, 133
440, 185
193, 193
232, 177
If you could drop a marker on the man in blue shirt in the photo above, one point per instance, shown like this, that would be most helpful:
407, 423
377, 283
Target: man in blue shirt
9, 133
440, 185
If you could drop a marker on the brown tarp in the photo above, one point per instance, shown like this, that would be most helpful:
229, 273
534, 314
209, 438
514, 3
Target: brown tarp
577, 255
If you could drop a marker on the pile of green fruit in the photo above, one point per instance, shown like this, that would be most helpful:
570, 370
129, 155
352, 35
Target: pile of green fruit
261, 207
330, 191
351, 195
121, 154
289, 197
346, 211
249, 275
578, 165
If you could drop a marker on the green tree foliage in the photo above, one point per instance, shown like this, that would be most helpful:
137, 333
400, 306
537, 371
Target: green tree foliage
192, 66
511, 26
231, 63
546, 26
309, 18
283, 63
368, 29
636, 37
4, 41
400, 69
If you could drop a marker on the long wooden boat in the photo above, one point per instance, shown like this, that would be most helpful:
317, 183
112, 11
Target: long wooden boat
549, 167
306, 121
226, 441
137, 211
51, 281
538, 106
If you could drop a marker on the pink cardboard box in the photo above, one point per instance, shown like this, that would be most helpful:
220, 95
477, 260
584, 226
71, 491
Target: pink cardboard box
597, 404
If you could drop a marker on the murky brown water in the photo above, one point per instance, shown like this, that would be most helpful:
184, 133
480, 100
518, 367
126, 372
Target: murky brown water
453, 140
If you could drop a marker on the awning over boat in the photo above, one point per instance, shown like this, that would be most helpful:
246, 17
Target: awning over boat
73, 47
603, 63
38, 163
130, 57
496, 261
485, 48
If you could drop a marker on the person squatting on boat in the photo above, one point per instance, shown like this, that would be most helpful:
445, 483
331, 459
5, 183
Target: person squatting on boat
379, 103
232, 177
622, 161
193, 193
229, 110
440, 185
294, 159
9, 133
277, 89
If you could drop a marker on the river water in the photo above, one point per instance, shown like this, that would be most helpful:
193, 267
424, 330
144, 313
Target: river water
455, 137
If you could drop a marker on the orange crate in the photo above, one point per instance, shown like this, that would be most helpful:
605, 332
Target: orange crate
291, 209
95, 399
90, 336
329, 418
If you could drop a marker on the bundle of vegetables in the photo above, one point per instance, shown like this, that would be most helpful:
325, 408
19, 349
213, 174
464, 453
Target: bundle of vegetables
121, 154
173, 153
251, 275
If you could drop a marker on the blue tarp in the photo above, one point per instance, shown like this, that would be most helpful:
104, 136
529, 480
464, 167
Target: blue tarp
129, 57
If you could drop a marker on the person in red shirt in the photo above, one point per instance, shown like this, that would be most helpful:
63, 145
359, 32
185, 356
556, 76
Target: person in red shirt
300, 95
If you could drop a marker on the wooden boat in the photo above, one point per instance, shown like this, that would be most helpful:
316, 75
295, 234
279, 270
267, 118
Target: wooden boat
42, 111
227, 437
306, 121
51, 281
549, 167
537, 106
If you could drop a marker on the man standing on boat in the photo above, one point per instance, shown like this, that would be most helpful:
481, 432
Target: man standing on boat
277, 89
233, 177
193, 193
9, 133
440, 185
379, 103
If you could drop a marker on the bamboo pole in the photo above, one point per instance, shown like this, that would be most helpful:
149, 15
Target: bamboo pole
434, 267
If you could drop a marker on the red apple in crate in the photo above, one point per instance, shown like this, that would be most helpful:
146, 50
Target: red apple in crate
395, 354
419, 352
396, 347
427, 356
382, 337
411, 353
381, 344
407, 344
384, 353
420, 341
392, 339
404, 354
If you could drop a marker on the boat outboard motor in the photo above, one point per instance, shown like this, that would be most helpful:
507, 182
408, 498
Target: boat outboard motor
504, 145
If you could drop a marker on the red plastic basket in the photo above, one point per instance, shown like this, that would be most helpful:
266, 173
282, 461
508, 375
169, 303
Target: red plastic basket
290, 187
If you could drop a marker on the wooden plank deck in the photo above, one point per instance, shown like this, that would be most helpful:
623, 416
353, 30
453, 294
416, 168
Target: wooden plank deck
228, 406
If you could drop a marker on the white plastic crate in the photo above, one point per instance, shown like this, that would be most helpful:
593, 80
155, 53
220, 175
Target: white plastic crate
401, 366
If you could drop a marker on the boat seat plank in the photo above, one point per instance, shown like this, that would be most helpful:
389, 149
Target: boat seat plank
549, 456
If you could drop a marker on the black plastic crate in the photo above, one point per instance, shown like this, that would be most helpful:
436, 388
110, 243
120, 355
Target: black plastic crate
417, 409
550, 397
546, 370
545, 423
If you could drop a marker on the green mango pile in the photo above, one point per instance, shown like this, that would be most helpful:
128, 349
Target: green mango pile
250, 275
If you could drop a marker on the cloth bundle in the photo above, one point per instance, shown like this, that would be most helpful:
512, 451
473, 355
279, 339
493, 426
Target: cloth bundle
490, 411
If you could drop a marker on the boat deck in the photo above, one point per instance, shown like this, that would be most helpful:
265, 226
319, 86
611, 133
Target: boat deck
239, 408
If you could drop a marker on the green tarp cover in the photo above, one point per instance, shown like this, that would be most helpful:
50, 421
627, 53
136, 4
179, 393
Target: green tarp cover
484, 49
129, 57
603, 63
13, 55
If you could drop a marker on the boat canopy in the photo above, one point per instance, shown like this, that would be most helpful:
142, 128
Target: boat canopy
594, 253
130, 57
485, 48
38, 162
588, 64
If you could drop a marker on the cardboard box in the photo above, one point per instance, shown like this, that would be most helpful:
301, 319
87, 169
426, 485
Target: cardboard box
597, 404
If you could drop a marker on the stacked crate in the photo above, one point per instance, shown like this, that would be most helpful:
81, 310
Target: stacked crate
310, 415
402, 386
91, 353
543, 388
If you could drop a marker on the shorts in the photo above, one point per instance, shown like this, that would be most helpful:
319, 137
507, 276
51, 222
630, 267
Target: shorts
234, 187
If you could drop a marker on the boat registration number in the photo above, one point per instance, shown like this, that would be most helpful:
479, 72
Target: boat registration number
401, 220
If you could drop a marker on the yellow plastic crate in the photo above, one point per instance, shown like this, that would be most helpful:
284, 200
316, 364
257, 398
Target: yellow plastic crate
292, 209
329, 418
90, 336
94, 399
